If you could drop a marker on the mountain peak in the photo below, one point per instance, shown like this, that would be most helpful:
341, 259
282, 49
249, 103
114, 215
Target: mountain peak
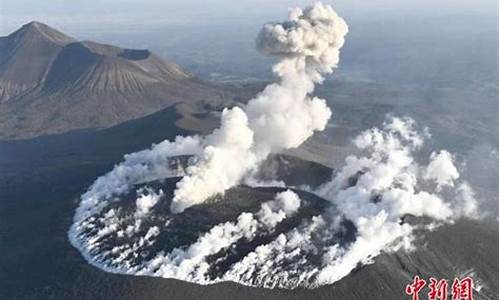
35, 24
55, 84
35, 29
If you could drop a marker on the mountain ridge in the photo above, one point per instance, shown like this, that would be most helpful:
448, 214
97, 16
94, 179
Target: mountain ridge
52, 83
19, 72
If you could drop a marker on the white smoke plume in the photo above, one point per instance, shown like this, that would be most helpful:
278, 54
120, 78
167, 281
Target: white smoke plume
284, 205
146, 201
280, 117
465, 202
190, 263
368, 199
375, 192
441, 169
139, 167
225, 159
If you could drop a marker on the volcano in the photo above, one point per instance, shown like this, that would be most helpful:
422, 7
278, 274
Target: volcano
51, 83
90, 214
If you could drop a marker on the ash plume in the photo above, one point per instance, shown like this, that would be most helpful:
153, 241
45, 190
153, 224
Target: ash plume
280, 117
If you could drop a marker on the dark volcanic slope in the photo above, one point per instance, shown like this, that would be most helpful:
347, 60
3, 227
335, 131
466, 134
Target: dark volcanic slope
51, 83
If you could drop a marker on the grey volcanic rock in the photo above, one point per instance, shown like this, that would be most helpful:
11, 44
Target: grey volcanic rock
293, 171
26, 56
51, 83
102, 68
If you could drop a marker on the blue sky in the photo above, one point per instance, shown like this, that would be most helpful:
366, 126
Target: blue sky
63, 13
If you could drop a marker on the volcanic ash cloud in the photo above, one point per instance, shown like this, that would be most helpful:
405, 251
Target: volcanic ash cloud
282, 116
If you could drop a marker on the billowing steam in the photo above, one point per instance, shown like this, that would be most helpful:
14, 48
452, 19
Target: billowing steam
368, 200
289, 241
282, 116
190, 263
374, 192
